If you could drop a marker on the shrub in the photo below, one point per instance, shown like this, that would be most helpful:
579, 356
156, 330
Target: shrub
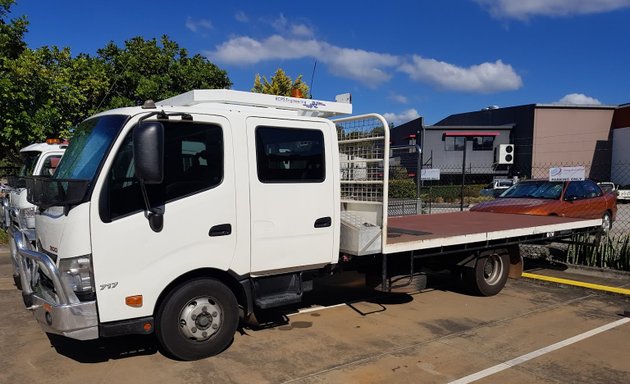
612, 252
402, 189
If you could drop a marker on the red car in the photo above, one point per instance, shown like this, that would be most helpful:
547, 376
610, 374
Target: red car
582, 199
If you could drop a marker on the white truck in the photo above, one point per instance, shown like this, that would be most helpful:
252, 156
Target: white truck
17, 214
182, 216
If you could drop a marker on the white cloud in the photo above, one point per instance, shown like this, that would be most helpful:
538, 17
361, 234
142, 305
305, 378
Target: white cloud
241, 17
284, 26
483, 78
195, 25
369, 68
301, 30
523, 9
401, 118
398, 98
578, 99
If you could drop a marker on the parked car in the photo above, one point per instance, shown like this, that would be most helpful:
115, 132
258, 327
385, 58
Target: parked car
623, 193
496, 188
580, 199
608, 187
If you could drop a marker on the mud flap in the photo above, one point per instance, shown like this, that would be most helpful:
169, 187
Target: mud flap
516, 262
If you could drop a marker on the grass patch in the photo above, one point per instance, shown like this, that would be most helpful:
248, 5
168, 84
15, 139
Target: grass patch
612, 252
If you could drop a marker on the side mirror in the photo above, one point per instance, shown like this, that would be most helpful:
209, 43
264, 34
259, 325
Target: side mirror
148, 152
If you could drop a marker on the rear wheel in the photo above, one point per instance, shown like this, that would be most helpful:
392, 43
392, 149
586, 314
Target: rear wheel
197, 319
489, 274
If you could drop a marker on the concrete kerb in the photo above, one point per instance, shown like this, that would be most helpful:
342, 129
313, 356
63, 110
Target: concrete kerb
599, 279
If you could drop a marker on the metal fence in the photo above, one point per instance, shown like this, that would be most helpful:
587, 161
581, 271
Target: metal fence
455, 190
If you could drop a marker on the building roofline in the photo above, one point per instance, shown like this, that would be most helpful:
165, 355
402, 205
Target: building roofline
469, 127
576, 106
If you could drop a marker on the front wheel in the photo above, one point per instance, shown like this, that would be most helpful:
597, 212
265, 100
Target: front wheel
197, 319
489, 274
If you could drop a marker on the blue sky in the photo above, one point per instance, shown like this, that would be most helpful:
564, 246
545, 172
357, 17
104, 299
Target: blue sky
400, 58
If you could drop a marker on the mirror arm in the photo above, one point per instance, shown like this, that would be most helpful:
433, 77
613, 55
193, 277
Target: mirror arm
154, 215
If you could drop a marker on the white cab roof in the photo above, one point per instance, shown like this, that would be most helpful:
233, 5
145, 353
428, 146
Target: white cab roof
44, 147
302, 107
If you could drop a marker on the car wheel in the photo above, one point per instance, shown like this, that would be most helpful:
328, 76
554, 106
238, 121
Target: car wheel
606, 223
197, 319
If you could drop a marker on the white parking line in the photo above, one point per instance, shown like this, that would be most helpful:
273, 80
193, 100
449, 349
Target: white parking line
315, 309
540, 352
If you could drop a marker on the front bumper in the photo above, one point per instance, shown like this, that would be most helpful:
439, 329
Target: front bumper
19, 238
55, 306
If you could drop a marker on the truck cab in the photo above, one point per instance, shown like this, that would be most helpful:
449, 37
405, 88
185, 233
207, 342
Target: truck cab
182, 213
18, 215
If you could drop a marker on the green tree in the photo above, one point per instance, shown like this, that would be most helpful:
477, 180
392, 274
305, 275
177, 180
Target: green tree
280, 85
44, 93
144, 69
11, 32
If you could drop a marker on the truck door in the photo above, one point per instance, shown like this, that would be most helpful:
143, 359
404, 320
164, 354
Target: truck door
291, 194
198, 199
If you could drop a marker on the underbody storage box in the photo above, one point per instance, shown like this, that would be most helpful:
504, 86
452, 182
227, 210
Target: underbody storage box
358, 236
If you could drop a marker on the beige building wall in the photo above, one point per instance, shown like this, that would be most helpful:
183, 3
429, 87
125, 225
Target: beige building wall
570, 137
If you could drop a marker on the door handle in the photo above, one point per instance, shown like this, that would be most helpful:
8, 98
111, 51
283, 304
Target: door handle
323, 222
220, 230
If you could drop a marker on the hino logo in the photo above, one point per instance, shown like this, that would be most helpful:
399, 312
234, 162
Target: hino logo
52, 249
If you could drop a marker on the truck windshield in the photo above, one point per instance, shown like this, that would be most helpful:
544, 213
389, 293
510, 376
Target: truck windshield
92, 138
71, 182
29, 160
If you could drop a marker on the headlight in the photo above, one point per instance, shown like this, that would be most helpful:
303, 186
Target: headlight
26, 217
77, 273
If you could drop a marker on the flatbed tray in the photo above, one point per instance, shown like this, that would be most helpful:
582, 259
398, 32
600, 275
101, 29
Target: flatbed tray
418, 232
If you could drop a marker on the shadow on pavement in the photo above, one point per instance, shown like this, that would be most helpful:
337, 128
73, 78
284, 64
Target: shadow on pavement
104, 349
533, 265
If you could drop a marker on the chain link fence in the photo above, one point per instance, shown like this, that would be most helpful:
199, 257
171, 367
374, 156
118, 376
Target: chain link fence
455, 188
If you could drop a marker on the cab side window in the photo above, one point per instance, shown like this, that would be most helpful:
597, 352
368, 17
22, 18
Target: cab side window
193, 162
290, 155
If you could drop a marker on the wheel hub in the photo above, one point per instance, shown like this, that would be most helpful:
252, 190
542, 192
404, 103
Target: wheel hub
200, 319
492, 269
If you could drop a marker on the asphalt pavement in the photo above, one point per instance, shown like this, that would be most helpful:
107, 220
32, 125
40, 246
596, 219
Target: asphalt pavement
533, 331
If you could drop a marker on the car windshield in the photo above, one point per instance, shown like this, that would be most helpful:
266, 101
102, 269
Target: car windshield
29, 160
88, 146
535, 189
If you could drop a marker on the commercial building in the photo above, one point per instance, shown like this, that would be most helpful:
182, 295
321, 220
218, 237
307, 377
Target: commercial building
543, 135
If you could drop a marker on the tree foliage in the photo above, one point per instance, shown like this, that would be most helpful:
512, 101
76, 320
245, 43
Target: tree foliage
144, 69
46, 91
280, 85
11, 32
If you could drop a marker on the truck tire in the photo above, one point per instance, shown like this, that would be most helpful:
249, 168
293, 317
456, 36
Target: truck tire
489, 274
197, 319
